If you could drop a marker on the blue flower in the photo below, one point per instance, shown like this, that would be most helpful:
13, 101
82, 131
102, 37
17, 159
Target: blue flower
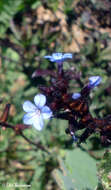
36, 113
76, 95
58, 57
94, 81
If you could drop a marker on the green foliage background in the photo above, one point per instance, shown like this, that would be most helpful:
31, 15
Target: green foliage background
29, 30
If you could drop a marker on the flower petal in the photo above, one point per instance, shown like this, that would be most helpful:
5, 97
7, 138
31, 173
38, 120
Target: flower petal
47, 56
58, 57
28, 106
55, 57
94, 81
46, 112
28, 118
37, 122
67, 56
40, 100
76, 95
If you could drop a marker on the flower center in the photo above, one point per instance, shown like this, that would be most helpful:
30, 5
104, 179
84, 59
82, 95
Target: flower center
38, 112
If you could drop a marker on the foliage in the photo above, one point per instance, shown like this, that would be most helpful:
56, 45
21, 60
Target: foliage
29, 30
104, 168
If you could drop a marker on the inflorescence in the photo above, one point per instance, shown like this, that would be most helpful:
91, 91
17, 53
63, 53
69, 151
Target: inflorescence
56, 101
71, 107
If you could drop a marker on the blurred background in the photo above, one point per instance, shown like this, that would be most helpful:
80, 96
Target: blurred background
29, 30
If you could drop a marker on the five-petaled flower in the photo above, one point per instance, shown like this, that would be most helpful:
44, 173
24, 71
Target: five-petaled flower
36, 113
58, 57
94, 81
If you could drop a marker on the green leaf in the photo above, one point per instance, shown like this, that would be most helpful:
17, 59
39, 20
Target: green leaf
79, 170
106, 54
104, 171
8, 8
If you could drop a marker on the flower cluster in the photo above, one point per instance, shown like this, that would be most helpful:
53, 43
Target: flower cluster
64, 105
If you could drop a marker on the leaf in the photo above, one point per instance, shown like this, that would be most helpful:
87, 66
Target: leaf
8, 8
79, 169
106, 54
104, 171
62, 179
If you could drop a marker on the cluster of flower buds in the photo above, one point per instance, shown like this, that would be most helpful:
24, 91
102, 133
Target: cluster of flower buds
63, 105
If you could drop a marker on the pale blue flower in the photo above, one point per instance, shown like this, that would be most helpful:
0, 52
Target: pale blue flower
36, 113
94, 81
58, 57
76, 95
